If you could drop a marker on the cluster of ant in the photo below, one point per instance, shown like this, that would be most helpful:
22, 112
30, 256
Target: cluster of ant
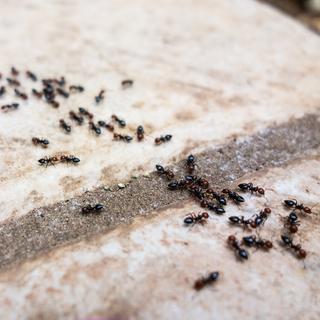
199, 189
51, 161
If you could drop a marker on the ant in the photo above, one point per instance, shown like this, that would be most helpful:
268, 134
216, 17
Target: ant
66, 127
233, 196
206, 280
212, 207
190, 163
55, 104
14, 71
287, 241
219, 197
120, 122
176, 185
48, 92
31, 76
76, 88
36, 93
126, 83
252, 241
69, 159
140, 133
168, 173
20, 94
85, 113
294, 204
249, 186
234, 243
62, 93
13, 82
108, 126
197, 192
203, 183
42, 142
196, 218
292, 222
48, 161
162, 139
94, 128
261, 218
60, 82
8, 107
89, 208
118, 136
241, 220
2, 90
75, 117
100, 96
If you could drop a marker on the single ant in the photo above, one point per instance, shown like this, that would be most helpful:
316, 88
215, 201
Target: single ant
219, 197
294, 204
20, 94
196, 218
162, 139
177, 184
76, 88
233, 196
8, 107
14, 71
292, 223
241, 221
100, 96
55, 104
125, 138
89, 208
108, 126
94, 128
211, 206
48, 161
250, 187
234, 243
140, 133
66, 127
36, 93
48, 93
167, 172
2, 90
206, 280
260, 219
60, 82
126, 83
13, 82
42, 142
73, 116
69, 159
120, 122
287, 241
190, 163
253, 241
85, 112
31, 75
62, 93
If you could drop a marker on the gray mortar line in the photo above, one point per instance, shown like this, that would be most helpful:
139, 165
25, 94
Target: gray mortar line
46, 228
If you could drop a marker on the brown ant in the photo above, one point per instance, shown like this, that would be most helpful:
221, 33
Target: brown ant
55, 104
292, 223
249, 187
234, 243
13, 82
48, 161
190, 163
108, 126
66, 127
94, 128
31, 76
14, 71
168, 173
90, 209
36, 93
140, 133
69, 159
197, 192
287, 241
219, 197
206, 280
20, 94
100, 96
76, 88
233, 196
125, 138
252, 241
86, 113
260, 219
42, 142
2, 90
162, 139
10, 107
62, 93
193, 218
126, 83
294, 204
120, 122
241, 221
73, 116
202, 182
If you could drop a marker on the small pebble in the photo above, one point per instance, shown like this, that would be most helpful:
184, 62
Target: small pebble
121, 185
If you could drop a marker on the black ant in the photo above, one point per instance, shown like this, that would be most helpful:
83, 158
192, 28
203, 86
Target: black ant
20, 94
60, 82
48, 161
233, 196
36, 93
234, 243
76, 88
100, 96
241, 221
2, 90
162, 139
66, 127
13, 82
252, 241
177, 184
8, 107
292, 223
190, 163
287, 241
219, 197
108, 126
89, 208
140, 133
167, 172
125, 138
203, 183
120, 122
196, 218
14, 71
31, 75
211, 206
249, 187
42, 142
69, 159
126, 83
206, 280
76, 118
86, 113
294, 204
197, 192
94, 128
260, 219
48, 92
62, 93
